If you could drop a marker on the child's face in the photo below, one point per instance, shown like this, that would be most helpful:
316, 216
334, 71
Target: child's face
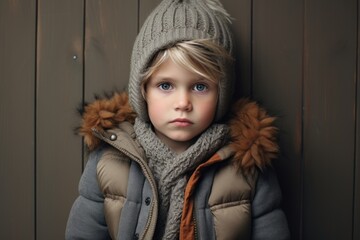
181, 104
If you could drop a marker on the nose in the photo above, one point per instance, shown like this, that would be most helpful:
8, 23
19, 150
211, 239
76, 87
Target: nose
183, 102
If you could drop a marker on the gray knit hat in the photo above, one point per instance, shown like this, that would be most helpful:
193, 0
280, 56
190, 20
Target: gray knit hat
174, 21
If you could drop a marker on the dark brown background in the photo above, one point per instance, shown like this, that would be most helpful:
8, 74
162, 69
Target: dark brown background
297, 58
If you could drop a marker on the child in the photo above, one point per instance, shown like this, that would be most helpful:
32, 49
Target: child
177, 164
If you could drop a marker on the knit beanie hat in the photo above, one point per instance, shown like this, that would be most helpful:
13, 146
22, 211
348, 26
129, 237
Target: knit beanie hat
173, 21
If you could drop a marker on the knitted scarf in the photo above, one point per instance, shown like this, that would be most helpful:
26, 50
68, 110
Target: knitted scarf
170, 171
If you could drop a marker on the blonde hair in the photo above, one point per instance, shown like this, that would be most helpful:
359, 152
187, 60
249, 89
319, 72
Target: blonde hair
202, 56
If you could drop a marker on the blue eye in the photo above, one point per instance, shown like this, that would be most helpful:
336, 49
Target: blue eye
165, 86
200, 87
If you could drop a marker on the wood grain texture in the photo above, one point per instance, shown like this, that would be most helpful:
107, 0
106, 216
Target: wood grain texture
110, 31
241, 12
59, 91
356, 218
329, 121
17, 94
277, 84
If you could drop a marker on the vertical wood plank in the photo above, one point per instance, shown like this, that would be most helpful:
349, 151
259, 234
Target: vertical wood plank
111, 28
241, 12
356, 223
17, 94
356, 228
59, 91
277, 84
329, 98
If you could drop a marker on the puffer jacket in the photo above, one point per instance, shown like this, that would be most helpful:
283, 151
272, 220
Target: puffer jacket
232, 195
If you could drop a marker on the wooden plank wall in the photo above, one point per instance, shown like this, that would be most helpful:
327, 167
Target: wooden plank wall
277, 76
329, 118
297, 58
59, 83
17, 119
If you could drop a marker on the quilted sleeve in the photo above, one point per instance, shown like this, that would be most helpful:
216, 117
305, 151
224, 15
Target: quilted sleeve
86, 219
268, 219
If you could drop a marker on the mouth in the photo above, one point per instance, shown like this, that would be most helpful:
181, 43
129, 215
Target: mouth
182, 122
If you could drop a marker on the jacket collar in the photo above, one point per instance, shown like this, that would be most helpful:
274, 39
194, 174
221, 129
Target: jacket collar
253, 140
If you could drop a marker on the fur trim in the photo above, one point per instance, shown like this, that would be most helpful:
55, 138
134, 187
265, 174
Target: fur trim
252, 135
105, 114
252, 131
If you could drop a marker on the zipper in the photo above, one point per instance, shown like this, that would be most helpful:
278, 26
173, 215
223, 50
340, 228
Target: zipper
144, 168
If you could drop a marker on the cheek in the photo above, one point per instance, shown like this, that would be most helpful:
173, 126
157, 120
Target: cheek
208, 109
155, 110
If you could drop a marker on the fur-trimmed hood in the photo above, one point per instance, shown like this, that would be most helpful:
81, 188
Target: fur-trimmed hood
251, 129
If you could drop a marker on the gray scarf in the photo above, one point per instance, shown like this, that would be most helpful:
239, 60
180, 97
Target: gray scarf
171, 170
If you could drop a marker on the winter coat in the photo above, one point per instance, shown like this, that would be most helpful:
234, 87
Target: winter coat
232, 195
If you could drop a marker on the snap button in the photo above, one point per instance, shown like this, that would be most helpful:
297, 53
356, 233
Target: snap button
113, 137
147, 201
